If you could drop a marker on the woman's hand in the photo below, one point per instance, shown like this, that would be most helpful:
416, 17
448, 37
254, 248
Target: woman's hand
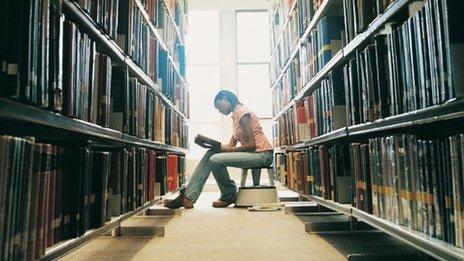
226, 148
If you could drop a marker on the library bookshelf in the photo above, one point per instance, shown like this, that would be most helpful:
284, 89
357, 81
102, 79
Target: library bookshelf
296, 162
154, 77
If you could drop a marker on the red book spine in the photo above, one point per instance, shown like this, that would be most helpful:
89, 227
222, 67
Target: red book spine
173, 176
311, 118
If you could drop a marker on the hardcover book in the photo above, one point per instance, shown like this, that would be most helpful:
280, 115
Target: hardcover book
207, 143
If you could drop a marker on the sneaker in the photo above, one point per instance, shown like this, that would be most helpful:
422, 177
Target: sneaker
223, 204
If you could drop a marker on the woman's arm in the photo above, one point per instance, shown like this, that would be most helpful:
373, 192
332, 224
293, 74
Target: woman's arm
249, 144
232, 142
226, 147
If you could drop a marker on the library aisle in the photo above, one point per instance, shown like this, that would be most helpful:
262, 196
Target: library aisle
204, 233
356, 106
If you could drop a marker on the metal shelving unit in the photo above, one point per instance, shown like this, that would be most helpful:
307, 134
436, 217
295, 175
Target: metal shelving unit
326, 5
173, 19
19, 112
61, 249
450, 114
428, 116
24, 119
432, 246
160, 40
86, 23
435, 115
281, 33
343, 55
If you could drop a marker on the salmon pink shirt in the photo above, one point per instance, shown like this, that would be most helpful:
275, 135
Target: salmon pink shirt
262, 143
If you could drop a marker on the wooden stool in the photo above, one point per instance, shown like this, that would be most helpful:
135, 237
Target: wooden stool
256, 175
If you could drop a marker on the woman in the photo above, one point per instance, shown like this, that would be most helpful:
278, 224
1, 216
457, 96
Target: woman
254, 151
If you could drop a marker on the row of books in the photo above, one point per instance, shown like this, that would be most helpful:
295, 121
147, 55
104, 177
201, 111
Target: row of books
124, 22
388, 77
287, 87
178, 9
153, 8
86, 78
321, 171
284, 130
87, 90
319, 113
411, 181
37, 55
105, 13
320, 46
397, 72
279, 13
326, 39
51, 193
414, 66
172, 84
159, 17
292, 23
315, 52
90, 94
167, 28
137, 110
136, 39
360, 13
285, 36
287, 26
30, 52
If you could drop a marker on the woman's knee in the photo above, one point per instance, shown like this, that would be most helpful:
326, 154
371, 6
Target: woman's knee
216, 160
209, 153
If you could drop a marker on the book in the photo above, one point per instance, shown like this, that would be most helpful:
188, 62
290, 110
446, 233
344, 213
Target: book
410, 59
173, 176
60, 191
207, 143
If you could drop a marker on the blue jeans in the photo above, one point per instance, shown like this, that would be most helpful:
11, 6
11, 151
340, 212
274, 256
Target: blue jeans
217, 162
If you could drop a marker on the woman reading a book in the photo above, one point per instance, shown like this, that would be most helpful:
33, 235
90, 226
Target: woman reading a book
254, 150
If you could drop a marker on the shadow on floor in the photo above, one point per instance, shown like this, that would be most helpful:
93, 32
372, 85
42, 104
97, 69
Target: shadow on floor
366, 244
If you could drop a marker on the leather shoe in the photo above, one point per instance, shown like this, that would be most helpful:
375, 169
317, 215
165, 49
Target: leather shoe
187, 203
223, 204
178, 202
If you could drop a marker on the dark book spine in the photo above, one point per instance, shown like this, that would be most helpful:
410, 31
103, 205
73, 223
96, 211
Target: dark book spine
456, 178
51, 197
69, 69
365, 170
15, 30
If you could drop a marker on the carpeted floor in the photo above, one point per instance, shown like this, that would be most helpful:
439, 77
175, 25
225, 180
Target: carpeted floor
205, 233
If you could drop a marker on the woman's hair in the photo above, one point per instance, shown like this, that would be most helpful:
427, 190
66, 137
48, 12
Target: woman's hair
230, 96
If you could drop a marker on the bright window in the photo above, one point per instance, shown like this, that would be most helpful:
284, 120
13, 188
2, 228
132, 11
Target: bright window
253, 88
203, 37
253, 37
253, 54
204, 75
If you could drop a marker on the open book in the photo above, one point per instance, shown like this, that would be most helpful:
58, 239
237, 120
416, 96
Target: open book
207, 143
